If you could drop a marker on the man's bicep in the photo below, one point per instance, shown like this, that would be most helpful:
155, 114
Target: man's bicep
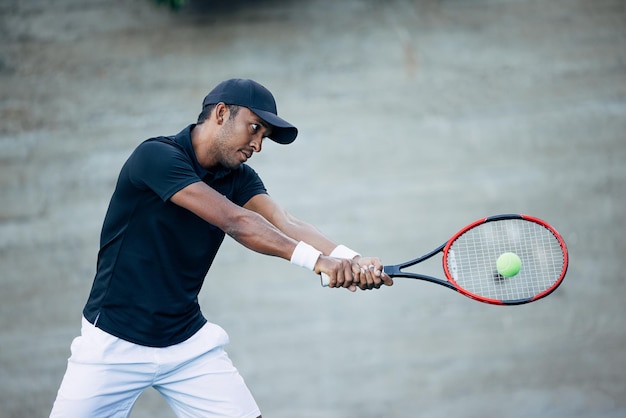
206, 203
278, 216
291, 226
265, 206
248, 228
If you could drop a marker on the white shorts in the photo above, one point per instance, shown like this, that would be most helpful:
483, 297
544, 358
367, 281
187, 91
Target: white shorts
105, 376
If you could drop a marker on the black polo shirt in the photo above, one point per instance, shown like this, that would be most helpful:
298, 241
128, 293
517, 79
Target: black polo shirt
154, 255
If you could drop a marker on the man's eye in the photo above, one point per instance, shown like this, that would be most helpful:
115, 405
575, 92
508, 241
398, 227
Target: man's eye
255, 127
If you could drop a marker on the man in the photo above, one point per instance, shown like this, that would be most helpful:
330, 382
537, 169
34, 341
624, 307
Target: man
175, 199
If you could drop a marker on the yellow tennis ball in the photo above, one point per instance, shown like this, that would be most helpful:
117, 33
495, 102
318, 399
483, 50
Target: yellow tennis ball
508, 264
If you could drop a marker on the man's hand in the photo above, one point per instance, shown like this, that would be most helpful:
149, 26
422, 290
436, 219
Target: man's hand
362, 272
370, 273
342, 272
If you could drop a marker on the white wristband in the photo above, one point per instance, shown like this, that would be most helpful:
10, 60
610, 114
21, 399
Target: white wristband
341, 251
305, 256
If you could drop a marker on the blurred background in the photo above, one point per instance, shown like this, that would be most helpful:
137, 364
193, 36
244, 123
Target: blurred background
415, 117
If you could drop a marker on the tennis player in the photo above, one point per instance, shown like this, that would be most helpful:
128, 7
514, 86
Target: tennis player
175, 199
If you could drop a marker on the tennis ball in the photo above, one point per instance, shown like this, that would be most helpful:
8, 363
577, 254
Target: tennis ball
508, 264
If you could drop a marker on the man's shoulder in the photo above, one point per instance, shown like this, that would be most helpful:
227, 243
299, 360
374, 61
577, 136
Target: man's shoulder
177, 141
160, 142
161, 147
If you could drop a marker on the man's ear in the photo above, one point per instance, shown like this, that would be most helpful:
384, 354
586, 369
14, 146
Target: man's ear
221, 113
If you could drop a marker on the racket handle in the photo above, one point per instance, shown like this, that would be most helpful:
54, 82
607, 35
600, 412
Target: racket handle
325, 279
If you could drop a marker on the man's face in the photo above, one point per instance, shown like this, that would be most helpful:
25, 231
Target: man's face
239, 137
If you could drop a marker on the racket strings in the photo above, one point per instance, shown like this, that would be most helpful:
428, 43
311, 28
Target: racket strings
472, 259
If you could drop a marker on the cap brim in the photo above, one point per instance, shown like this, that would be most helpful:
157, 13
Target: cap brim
282, 131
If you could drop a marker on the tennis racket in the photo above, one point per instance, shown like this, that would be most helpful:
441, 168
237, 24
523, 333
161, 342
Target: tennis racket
469, 260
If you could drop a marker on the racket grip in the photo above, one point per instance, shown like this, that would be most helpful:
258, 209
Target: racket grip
325, 279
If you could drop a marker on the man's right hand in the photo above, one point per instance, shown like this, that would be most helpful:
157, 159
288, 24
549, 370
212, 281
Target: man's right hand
342, 272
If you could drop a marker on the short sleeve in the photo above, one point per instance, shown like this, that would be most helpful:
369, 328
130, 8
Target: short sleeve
161, 167
249, 185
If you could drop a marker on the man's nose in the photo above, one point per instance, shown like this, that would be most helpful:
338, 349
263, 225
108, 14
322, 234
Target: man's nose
257, 144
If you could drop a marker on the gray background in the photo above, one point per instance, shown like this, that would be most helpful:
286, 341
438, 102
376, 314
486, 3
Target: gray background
416, 118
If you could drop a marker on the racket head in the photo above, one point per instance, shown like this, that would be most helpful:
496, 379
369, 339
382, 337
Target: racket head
469, 259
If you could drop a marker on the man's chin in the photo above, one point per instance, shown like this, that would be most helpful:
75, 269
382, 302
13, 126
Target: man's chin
233, 165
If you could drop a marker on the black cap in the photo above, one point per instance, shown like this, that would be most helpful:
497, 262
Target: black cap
258, 99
